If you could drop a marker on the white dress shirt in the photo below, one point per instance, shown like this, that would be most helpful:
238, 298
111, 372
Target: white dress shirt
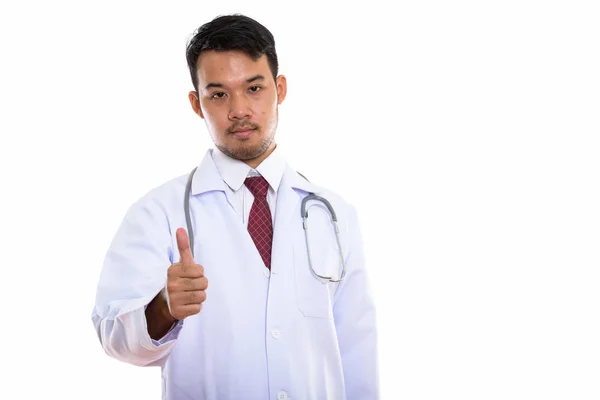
234, 173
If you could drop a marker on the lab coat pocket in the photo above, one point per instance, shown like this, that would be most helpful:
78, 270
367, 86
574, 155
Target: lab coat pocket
314, 296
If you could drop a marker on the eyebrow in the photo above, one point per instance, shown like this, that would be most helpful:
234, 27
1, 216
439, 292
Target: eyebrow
249, 80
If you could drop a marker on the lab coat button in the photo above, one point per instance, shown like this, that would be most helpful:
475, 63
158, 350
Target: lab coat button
282, 395
267, 273
276, 334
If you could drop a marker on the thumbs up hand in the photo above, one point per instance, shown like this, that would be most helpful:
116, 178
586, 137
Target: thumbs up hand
186, 283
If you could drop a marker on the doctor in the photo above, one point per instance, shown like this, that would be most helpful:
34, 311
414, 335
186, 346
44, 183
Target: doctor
243, 314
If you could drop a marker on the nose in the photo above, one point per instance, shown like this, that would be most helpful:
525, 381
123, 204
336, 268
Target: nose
239, 108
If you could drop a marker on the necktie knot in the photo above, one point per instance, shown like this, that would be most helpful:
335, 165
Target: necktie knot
257, 185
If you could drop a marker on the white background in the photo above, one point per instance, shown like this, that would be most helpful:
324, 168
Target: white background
466, 134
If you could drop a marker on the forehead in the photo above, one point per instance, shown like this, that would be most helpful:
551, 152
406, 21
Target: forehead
229, 67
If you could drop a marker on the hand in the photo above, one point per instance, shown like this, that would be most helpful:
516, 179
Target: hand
186, 283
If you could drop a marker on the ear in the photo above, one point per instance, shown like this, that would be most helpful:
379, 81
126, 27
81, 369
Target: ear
195, 102
281, 83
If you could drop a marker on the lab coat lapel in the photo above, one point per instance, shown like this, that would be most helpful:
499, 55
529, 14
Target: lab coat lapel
287, 203
287, 212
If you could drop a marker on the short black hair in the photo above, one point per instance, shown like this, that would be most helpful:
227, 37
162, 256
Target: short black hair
232, 32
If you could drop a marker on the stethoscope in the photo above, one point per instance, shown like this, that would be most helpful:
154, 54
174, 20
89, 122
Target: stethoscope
303, 214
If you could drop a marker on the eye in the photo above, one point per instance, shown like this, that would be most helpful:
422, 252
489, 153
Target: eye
255, 89
218, 95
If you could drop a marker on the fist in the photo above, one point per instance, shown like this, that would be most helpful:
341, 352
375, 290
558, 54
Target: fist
186, 283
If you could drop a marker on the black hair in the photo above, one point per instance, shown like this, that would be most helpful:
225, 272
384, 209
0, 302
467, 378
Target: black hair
232, 32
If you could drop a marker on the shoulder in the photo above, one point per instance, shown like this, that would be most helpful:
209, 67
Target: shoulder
164, 196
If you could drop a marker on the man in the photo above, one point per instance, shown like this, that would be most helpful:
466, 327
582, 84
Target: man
268, 325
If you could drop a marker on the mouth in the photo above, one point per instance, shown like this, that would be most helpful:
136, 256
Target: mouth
243, 132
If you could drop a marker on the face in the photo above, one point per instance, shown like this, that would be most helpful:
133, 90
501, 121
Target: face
238, 99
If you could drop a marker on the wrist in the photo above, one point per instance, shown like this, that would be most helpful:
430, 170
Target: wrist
158, 317
164, 309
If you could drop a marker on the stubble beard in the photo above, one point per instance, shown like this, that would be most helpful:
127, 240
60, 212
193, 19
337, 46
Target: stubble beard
246, 152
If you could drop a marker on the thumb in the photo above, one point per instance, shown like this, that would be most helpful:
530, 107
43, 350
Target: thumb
183, 244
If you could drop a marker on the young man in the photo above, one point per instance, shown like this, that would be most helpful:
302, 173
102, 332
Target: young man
275, 321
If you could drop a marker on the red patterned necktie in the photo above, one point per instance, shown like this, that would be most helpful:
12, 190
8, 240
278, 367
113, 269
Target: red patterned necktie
260, 223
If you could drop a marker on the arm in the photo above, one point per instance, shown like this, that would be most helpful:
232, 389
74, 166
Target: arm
158, 317
354, 314
129, 289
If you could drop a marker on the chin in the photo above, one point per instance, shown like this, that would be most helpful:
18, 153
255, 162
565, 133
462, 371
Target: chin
243, 153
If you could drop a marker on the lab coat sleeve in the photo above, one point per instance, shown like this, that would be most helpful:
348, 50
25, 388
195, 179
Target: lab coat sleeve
133, 273
354, 314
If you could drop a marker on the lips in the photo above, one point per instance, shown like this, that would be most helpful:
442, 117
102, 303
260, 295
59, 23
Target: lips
243, 133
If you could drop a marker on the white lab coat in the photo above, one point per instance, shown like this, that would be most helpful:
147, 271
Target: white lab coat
261, 334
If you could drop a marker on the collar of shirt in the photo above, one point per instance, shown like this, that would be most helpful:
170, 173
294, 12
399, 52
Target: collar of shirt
234, 172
